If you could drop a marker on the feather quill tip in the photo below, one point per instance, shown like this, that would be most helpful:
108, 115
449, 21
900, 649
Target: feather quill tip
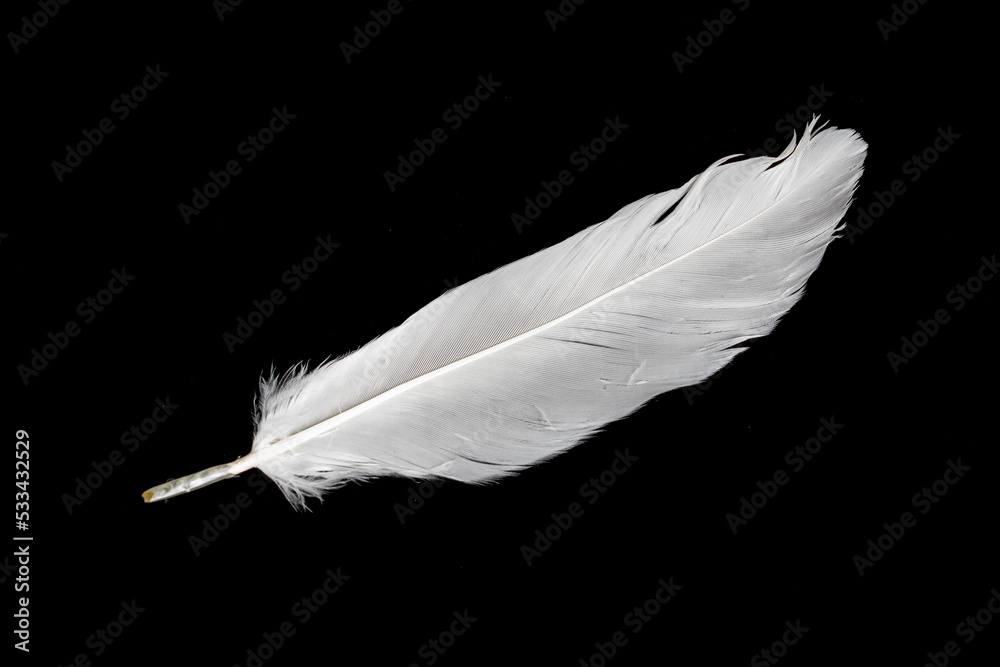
188, 483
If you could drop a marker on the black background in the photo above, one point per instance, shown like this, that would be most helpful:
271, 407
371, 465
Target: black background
698, 453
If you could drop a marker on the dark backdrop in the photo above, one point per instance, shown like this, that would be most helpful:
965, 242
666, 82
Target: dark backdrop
214, 578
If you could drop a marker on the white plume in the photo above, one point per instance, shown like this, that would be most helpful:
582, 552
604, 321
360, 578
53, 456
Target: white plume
522, 363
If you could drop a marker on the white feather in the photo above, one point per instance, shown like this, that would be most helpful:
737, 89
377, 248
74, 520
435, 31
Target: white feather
522, 363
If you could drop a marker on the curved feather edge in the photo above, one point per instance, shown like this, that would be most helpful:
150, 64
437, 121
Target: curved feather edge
521, 364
